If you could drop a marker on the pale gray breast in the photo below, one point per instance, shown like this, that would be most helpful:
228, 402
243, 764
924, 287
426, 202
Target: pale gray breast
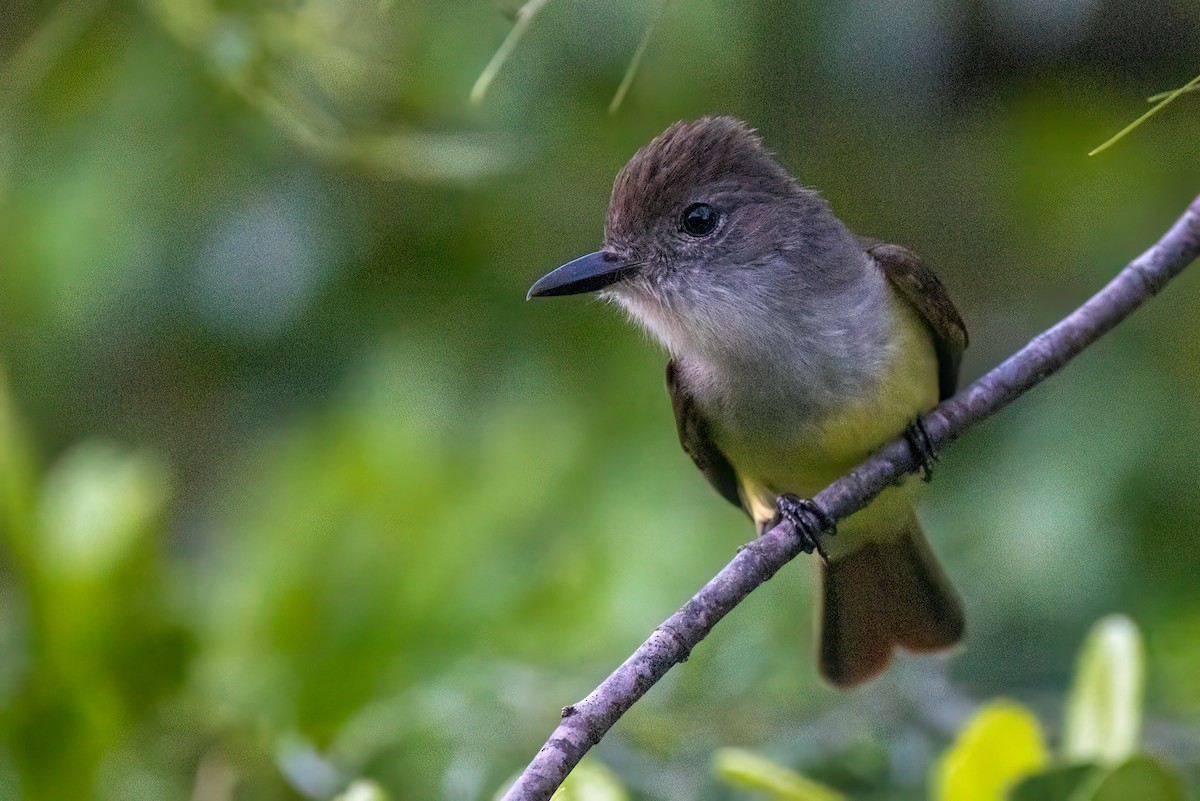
799, 367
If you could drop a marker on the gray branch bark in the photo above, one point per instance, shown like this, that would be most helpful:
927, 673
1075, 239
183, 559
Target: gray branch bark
586, 722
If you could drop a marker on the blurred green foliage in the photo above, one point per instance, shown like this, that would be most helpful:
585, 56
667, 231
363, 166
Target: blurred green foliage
1001, 753
297, 492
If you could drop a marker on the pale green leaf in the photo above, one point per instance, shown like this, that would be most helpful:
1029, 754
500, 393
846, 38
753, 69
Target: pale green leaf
740, 768
1104, 709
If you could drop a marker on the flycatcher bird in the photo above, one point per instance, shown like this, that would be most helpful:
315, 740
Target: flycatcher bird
796, 349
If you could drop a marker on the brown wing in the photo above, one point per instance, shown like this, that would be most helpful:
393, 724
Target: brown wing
696, 441
928, 296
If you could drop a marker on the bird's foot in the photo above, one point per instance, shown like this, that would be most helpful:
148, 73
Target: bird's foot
811, 522
918, 439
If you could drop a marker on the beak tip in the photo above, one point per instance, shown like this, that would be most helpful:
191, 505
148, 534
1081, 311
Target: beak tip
586, 274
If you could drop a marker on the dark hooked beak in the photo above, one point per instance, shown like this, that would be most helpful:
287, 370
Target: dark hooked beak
585, 274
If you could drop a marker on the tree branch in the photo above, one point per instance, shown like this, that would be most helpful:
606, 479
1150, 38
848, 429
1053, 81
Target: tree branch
585, 723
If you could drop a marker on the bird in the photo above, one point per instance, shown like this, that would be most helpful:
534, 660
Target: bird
796, 348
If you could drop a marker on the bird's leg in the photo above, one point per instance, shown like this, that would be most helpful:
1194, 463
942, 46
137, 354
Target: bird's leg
918, 439
810, 521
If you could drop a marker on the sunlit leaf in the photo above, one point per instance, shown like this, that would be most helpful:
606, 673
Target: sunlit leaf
1104, 710
745, 769
1001, 745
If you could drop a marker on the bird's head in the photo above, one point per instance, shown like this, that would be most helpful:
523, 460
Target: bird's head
705, 230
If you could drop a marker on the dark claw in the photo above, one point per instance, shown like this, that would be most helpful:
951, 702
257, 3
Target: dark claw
918, 439
810, 520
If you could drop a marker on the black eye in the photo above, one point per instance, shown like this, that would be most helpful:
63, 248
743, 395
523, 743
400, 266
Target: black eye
699, 219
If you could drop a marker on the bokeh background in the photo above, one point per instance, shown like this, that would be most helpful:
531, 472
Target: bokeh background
296, 488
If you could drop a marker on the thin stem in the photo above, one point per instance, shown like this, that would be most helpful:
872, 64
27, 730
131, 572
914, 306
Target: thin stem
1191, 86
525, 15
1167, 99
636, 62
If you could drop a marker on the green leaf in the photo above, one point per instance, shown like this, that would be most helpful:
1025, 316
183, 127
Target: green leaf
1139, 779
1056, 784
1104, 709
740, 768
1001, 745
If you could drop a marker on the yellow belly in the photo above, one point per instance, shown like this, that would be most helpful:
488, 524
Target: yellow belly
829, 447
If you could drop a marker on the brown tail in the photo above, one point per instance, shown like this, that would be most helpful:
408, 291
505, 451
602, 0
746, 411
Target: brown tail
889, 593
